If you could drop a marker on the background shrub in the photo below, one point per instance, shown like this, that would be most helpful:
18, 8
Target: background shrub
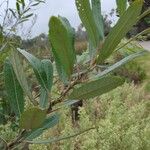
121, 118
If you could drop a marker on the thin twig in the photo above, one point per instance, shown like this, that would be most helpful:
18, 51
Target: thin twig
147, 12
57, 139
67, 90
63, 95
17, 140
133, 38
3, 140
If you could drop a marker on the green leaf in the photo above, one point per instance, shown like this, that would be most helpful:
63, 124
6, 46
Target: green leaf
144, 14
57, 139
18, 8
125, 23
48, 76
48, 123
96, 9
27, 10
32, 118
87, 18
121, 6
91, 22
19, 72
60, 69
66, 104
44, 74
21, 21
36, 65
13, 88
61, 36
96, 87
43, 70
35, 4
69, 102
121, 63
43, 98
2, 48
28, 16
13, 12
23, 3
62, 74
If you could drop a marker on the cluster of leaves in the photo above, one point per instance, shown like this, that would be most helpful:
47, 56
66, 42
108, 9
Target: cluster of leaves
76, 84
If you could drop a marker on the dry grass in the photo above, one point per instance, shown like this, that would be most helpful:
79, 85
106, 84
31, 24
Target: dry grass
80, 46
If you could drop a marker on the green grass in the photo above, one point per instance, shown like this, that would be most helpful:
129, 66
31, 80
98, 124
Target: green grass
144, 61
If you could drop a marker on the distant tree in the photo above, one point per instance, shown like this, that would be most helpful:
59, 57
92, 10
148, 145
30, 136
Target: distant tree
81, 34
107, 22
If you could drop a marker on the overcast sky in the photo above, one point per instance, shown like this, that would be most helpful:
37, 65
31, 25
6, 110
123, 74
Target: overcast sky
60, 7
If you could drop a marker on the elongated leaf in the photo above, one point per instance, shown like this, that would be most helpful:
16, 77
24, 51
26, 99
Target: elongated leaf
23, 3
21, 21
66, 103
35, 4
89, 21
48, 123
121, 63
48, 69
60, 69
28, 16
44, 74
27, 10
13, 12
87, 18
43, 98
125, 23
69, 102
18, 8
96, 9
18, 69
62, 74
13, 88
32, 118
43, 70
36, 65
144, 14
121, 6
48, 78
56, 139
61, 36
3, 47
96, 87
